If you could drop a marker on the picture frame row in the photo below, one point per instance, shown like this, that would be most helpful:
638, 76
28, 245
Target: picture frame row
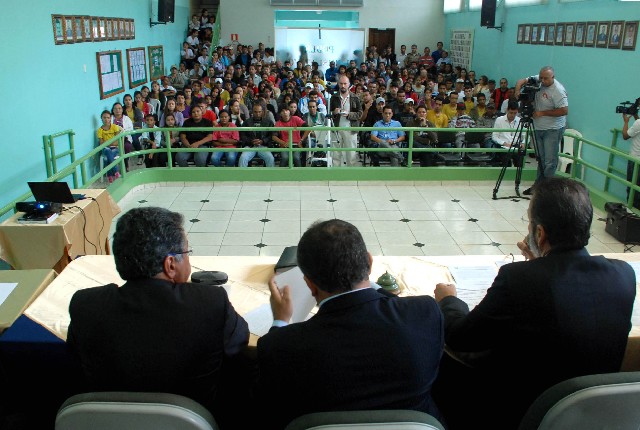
599, 34
80, 28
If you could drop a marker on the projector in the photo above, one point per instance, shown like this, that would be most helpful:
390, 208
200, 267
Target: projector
39, 207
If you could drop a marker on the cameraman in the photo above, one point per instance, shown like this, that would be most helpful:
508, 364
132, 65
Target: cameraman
549, 120
632, 133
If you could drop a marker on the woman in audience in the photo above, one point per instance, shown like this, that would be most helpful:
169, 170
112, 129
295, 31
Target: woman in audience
409, 93
482, 87
141, 104
157, 98
120, 119
170, 109
217, 104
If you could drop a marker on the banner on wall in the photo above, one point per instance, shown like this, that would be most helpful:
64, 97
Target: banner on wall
320, 45
461, 48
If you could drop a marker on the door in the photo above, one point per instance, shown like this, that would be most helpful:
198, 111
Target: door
382, 37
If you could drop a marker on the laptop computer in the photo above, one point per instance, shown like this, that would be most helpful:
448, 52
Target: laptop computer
56, 192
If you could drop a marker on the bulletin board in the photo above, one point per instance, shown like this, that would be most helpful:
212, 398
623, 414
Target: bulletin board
110, 75
137, 67
461, 48
156, 62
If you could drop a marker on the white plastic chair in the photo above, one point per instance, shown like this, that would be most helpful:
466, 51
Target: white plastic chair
566, 164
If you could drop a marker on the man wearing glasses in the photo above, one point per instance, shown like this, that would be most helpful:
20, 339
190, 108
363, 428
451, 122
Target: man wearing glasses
157, 332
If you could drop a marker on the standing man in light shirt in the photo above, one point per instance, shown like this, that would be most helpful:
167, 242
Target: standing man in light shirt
549, 119
346, 110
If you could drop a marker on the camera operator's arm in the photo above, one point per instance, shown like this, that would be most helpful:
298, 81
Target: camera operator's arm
561, 111
519, 85
625, 128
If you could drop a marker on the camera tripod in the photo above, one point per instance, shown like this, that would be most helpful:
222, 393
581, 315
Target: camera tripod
517, 152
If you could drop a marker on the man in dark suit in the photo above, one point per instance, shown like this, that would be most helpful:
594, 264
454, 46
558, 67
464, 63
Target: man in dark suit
561, 314
362, 350
157, 332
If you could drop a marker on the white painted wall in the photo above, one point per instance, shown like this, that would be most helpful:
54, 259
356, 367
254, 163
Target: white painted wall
416, 21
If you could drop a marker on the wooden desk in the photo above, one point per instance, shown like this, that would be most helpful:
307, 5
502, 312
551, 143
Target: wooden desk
30, 285
82, 228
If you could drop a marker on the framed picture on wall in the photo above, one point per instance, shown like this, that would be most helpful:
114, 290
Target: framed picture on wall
121, 31
602, 37
58, 29
542, 34
615, 36
534, 33
78, 28
127, 29
520, 35
551, 34
560, 34
133, 29
86, 28
102, 26
69, 35
630, 35
569, 33
527, 34
95, 28
590, 34
579, 38
108, 25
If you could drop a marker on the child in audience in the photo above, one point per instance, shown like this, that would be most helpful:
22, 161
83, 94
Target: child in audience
152, 140
107, 131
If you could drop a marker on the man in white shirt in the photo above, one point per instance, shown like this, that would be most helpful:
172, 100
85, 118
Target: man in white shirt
632, 133
504, 139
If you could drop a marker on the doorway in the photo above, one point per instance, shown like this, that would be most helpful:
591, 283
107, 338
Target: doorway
382, 37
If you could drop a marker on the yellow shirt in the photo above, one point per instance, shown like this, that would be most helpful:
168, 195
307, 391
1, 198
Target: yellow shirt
449, 110
105, 135
440, 120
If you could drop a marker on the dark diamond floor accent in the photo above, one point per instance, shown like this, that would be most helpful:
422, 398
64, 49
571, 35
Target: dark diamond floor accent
418, 244
394, 200
142, 201
260, 245
205, 201
265, 220
515, 200
405, 220
495, 244
332, 200
455, 201
268, 200
472, 220
194, 220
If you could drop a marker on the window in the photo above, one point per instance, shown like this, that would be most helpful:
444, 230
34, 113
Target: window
524, 2
475, 4
452, 6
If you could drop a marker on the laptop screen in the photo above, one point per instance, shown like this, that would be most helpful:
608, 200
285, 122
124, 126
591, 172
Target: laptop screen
56, 192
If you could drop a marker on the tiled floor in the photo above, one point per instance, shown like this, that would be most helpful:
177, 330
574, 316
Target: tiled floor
407, 218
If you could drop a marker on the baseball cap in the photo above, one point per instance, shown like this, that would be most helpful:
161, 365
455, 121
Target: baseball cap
461, 106
173, 66
380, 100
409, 100
460, 80
491, 105
309, 85
218, 80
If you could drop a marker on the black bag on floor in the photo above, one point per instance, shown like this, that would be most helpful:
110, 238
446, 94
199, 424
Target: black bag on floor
622, 224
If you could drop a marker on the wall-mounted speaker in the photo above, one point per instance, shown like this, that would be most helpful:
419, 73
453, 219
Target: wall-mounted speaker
166, 10
488, 13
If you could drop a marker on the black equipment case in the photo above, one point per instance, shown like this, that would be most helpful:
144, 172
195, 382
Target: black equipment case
622, 224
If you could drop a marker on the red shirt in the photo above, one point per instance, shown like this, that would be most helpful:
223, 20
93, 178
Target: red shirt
231, 134
294, 121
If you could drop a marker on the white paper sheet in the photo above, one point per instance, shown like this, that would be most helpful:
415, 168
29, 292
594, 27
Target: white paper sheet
303, 301
6, 288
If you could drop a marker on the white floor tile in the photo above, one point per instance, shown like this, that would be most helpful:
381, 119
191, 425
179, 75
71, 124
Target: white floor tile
248, 215
239, 239
351, 215
251, 205
480, 250
282, 225
306, 215
461, 226
504, 237
280, 238
245, 226
499, 225
392, 215
209, 226
471, 238
401, 250
206, 239
442, 249
394, 238
391, 226
284, 205
458, 215
219, 205
239, 251
287, 214
205, 251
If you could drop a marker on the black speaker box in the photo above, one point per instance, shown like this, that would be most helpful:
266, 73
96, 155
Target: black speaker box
621, 223
166, 10
488, 13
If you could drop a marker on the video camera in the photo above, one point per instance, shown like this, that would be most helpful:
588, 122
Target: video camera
527, 96
628, 108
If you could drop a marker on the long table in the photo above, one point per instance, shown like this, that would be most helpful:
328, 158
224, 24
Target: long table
30, 283
82, 228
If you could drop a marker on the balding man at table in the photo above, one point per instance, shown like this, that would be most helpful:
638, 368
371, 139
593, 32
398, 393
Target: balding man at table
362, 350
561, 314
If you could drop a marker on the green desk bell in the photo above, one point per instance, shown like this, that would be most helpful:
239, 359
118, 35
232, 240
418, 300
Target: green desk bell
388, 282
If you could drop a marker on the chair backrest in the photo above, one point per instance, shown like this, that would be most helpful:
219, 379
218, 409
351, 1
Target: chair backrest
399, 419
140, 411
446, 136
568, 142
601, 401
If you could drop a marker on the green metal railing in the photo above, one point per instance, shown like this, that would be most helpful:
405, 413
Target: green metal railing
579, 166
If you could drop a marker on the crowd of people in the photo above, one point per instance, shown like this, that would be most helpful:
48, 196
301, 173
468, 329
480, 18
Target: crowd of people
235, 78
